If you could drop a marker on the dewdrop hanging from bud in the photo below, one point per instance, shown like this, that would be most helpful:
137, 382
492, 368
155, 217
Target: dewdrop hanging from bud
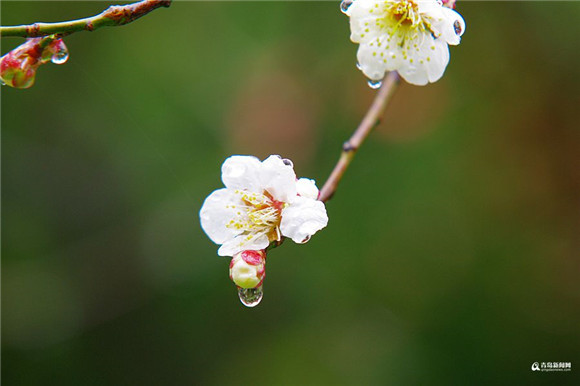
247, 271
18, 67
56, 52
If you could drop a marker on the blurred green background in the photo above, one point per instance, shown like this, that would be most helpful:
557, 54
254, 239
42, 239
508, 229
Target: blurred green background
452, 253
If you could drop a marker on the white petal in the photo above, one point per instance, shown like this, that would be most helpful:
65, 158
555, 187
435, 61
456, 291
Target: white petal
448, 25
303, 218
439, 60
363, 21
278, 179
425, 61
429, 7
242, 172
371, 63
306, 187
218, 210
242, 242
382, 54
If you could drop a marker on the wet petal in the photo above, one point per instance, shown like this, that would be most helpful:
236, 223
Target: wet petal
426, 60
449, 26
306, 187
219, 210
278, 179
243, 242
363, 21
303, 218
371, 62
242, 172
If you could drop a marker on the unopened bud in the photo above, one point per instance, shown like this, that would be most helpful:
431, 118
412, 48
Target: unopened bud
449, 3
18, 71
248, 268
18, 67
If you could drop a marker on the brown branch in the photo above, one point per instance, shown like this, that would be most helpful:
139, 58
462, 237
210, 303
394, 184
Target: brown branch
113, 16
350, 147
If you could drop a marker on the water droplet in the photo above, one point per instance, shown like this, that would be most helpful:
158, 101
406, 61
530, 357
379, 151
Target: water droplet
287, 162
2, 83
250, 297
358, 66
457, 28
375, 84
60, 57
305, 240
345, 5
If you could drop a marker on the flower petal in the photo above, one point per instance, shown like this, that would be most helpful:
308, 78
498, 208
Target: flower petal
429, 7
303, 218
306, 187
219, 209
448, 25
244, 242
242, 172
363, 21
426, 60
278, 179
371, 62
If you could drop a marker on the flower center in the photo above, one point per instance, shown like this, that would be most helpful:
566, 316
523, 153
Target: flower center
405, 13
264, 214
401, 21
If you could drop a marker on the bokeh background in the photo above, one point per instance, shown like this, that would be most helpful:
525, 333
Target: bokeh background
452, 253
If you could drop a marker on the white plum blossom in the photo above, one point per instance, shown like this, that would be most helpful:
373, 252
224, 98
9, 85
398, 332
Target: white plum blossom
407, 36
261, 203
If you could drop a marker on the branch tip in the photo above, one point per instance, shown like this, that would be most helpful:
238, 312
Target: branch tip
115, 15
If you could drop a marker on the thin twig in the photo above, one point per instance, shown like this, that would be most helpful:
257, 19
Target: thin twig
113, 16
350, 147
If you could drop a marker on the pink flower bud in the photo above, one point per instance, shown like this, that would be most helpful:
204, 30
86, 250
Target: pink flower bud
449, 3
18, 67
248, 268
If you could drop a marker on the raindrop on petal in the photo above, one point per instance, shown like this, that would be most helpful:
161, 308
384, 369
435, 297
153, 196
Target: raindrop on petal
375, 84
358, 66
287, 162
305, 240
345, 5
250, 297
60, 57
457, 28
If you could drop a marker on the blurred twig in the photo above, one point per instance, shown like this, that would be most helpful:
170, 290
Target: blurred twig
113, 16
369, 122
